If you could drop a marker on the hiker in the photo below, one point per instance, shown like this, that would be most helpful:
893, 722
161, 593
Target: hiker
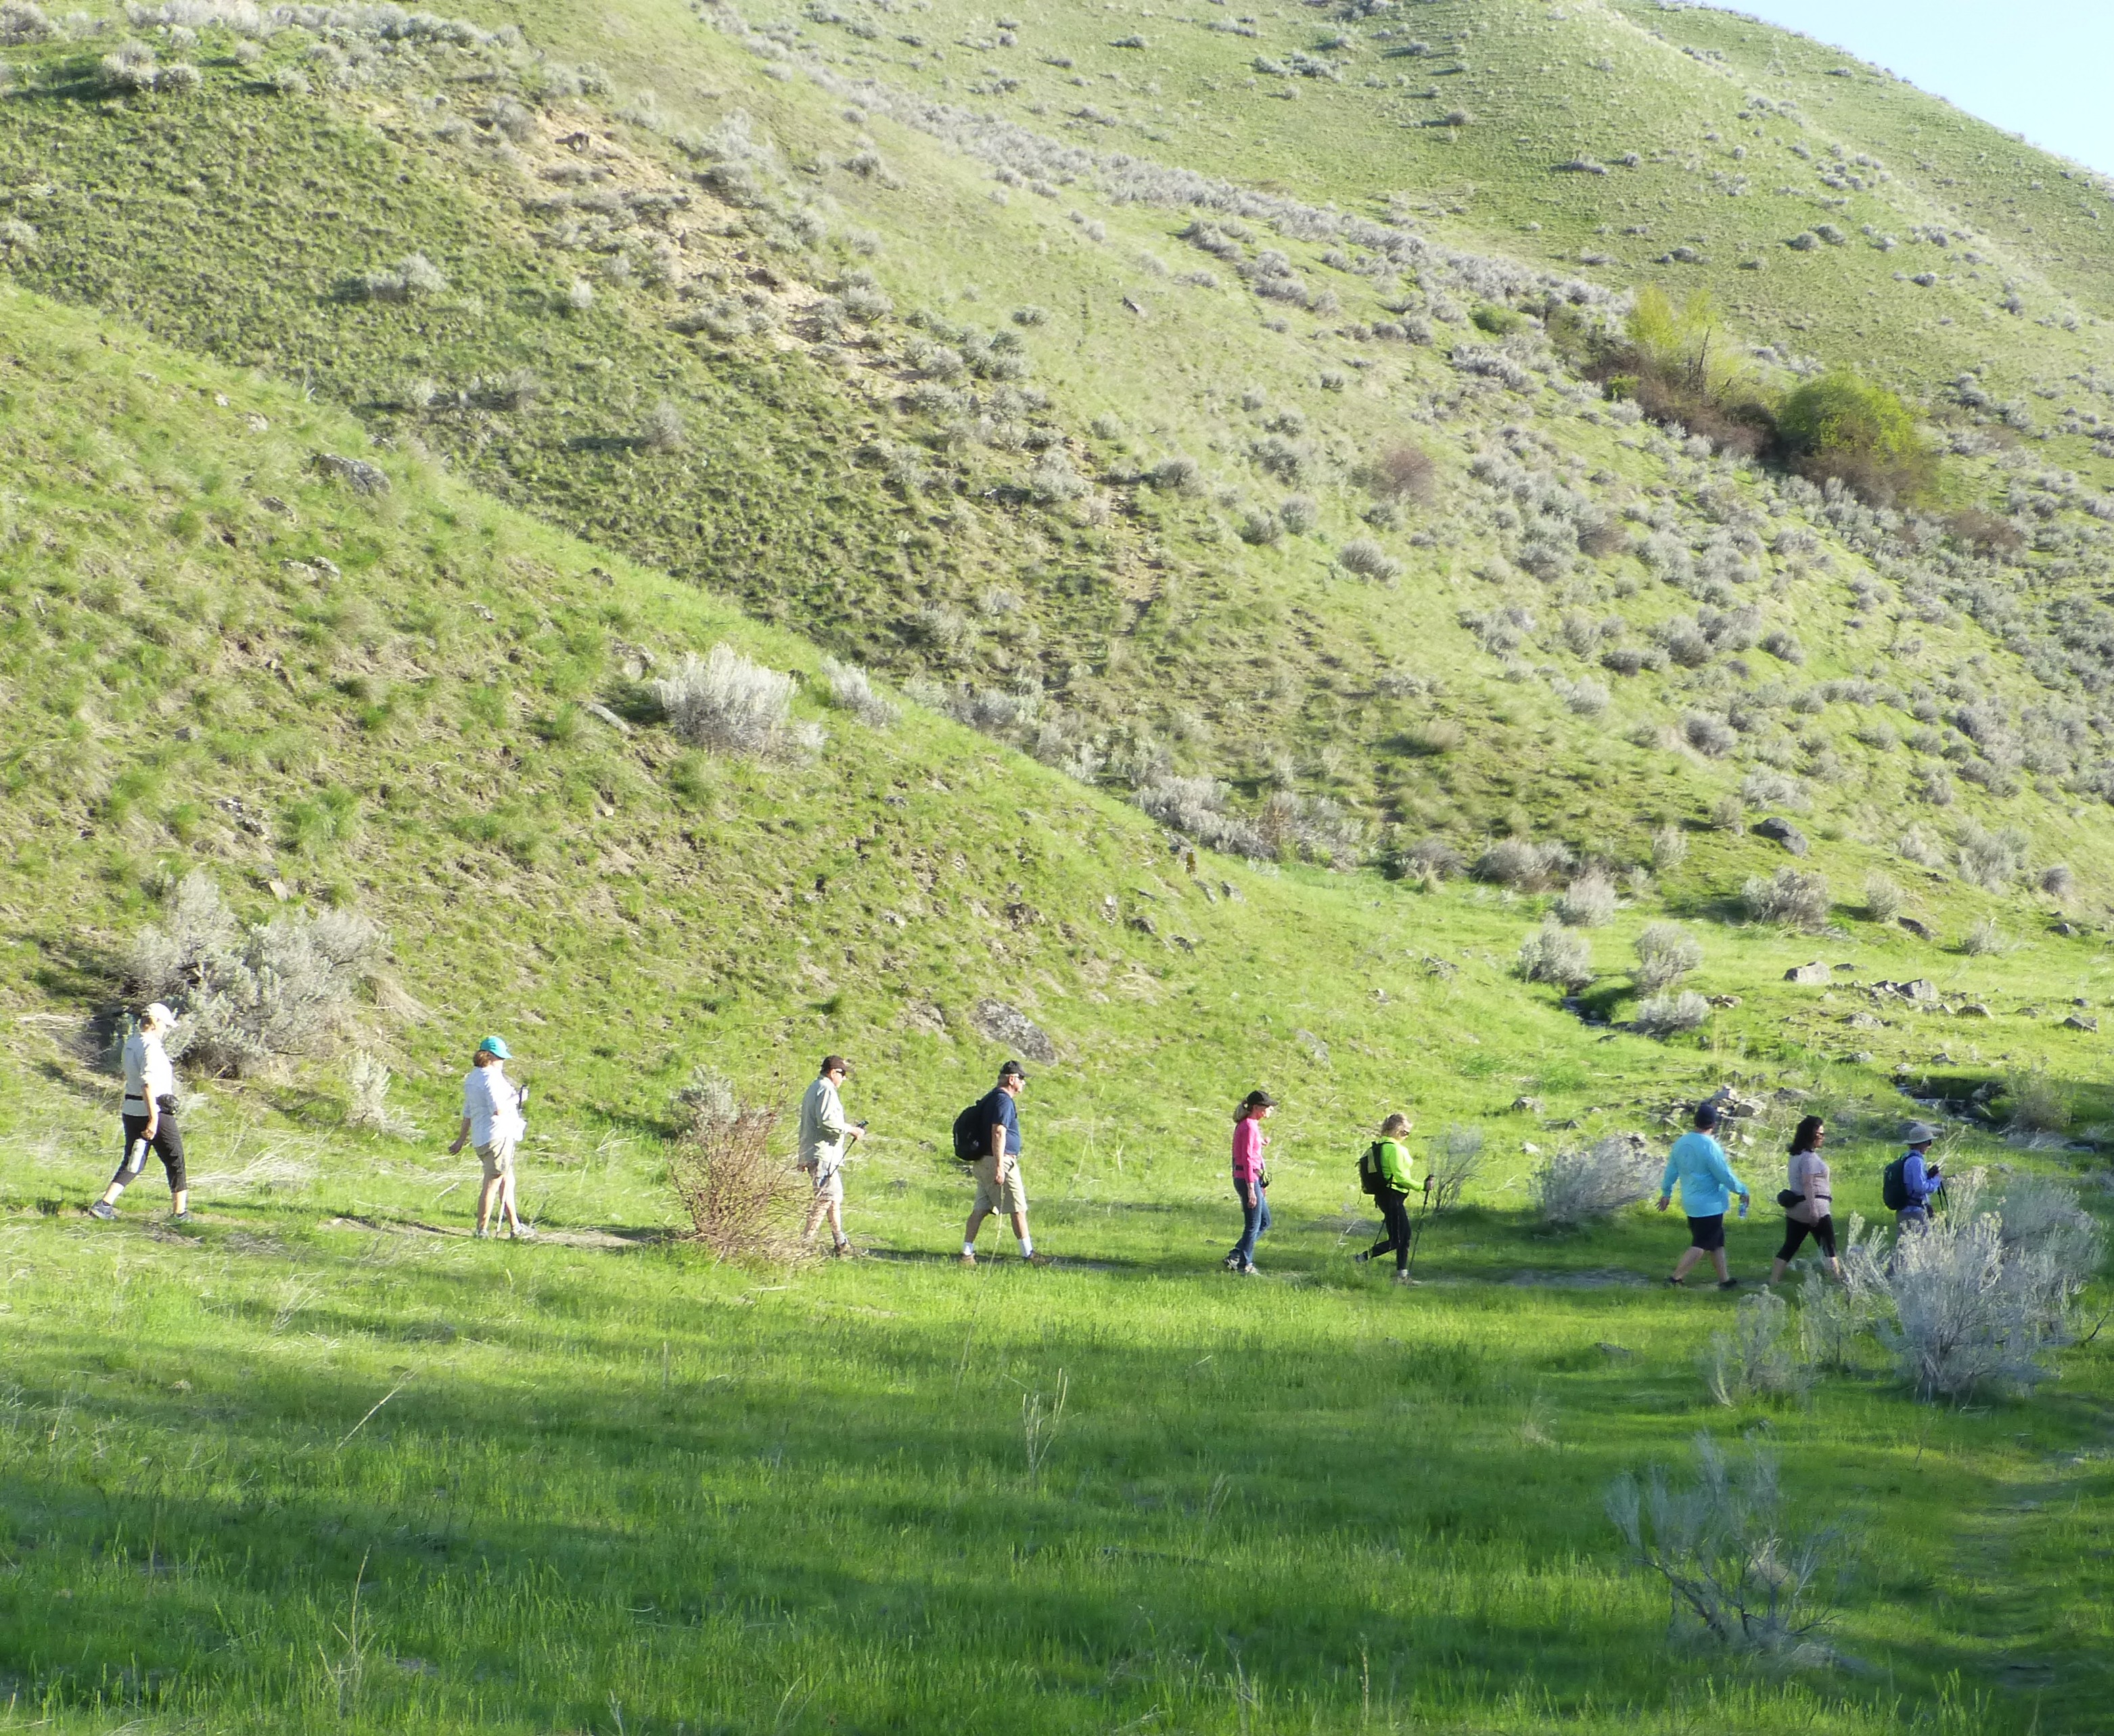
1384, 1172
1808, 1202
1707, 1185
1251, 1180
148, 1115
1911, 1181
825, 1137
999, 1185
492, 1122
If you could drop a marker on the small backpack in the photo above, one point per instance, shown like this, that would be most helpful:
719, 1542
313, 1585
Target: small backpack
1894, 1185
972, 1133
1372, 1178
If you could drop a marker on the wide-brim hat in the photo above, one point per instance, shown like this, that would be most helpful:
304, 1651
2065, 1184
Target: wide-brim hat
1919, 1133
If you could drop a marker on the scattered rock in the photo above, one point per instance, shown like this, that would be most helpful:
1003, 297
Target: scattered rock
1108, 908
1012, 1028
1922, 989
1812, 975
1445, 969
1530, 1147
1783, 833
1314, 1046
596, 708
1526, 1106
1859, 1057
356, 473
1606, 1349
1973, 1009
1921, 930
1231, 893
1865, 1022
1730, 1103
1144, 924
2067, 929
2080, 1001
1722, 1000
2081, 1022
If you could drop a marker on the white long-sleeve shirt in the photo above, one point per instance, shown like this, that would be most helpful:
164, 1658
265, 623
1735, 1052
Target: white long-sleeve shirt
493, 1105
148, 1075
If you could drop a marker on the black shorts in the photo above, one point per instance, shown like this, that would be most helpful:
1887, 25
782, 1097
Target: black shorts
1707, 1233
1823, 1233
168, 1145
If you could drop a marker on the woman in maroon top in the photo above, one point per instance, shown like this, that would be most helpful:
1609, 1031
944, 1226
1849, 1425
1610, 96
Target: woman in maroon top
1251, 1181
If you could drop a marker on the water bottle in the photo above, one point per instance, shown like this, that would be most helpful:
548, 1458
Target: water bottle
1743, 1208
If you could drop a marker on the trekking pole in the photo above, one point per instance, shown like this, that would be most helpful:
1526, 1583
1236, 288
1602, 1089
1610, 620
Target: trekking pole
1417, 1228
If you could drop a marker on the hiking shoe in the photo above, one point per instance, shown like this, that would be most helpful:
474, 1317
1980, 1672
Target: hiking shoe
968, 1259
1403, 1278
524, 1232
1037, 1259
480, 1235
1729, 1284
843, 1251
1677, 1283
180, 1217
102, 1209
1251, 1270
1359, 1259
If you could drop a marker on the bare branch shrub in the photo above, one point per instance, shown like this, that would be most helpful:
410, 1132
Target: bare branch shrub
1456, 1160
1588, 902
742, 1201
727, 704
1665, 953
1732, 1566
1580, 1185
248, 996
2057, 880
1792, 899
1983, 939
851, 690
1405, 472
1554, 954
1754, 1360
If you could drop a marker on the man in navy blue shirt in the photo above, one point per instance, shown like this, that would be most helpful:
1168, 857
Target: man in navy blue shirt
999, 1185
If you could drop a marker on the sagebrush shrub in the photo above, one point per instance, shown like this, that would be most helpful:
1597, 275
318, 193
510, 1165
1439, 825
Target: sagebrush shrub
727, 703
1669, 849
2034, 1102
1710, 735
1983, 939
1367, 560
1992, 860
1791, 900
1883, 899
663, 430
851, 690
1588, 902
1670, 1014
1732, 1564
250, 995
1755, 1360
367, 1082
1197, 806
1665, 953
1431, 862
1584, 1183
1554, 954
1522, 864
2057, 880
1456, 1160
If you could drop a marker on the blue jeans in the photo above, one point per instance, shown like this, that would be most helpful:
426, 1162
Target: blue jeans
1255, 1219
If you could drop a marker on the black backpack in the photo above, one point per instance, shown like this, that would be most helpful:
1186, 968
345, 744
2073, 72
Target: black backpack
973, 1128
1894, 1184
1372, 1179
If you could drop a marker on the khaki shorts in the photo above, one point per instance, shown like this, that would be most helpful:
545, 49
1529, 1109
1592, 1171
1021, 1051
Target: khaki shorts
497, 1159
1008, 1196
830, 1187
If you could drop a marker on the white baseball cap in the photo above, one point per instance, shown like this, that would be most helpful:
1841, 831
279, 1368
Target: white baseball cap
158, 1015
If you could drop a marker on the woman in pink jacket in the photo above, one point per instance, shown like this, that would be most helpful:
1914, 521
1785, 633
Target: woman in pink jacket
1251, 1180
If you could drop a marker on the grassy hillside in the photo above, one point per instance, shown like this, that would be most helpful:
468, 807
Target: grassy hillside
649, 356
793, 340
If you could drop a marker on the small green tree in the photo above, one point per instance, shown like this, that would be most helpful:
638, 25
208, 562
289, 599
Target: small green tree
1843, 425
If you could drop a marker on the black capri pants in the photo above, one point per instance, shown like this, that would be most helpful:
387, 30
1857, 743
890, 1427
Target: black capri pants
1795, 1232
1394, 1213
167, 1142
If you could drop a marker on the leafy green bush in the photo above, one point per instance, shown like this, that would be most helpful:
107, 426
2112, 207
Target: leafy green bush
1843, 426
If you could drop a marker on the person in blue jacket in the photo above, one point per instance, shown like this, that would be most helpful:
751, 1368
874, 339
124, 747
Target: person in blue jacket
1919, 1177
1708, 1184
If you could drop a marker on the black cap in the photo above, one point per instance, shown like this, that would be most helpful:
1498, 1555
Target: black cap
835, 1064
1013, 1070
1706, 1114
1259, 1100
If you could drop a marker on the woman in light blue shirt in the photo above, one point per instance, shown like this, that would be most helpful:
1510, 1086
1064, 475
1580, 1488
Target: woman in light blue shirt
1708, 1184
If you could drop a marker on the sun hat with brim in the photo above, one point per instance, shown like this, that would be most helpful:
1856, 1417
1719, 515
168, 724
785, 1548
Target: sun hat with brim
159, 1015
1919, 1133
496, 1046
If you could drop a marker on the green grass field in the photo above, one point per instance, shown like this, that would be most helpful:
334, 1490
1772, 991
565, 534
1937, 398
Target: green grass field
320, 1461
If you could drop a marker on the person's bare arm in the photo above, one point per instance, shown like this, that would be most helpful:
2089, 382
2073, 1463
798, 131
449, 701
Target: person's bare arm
462, 1136
998, 1146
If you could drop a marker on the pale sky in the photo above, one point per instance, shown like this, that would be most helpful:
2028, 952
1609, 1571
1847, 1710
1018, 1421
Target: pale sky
2039, 67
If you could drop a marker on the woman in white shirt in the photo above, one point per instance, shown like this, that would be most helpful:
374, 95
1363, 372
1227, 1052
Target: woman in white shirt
492, 1122
148, 1116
